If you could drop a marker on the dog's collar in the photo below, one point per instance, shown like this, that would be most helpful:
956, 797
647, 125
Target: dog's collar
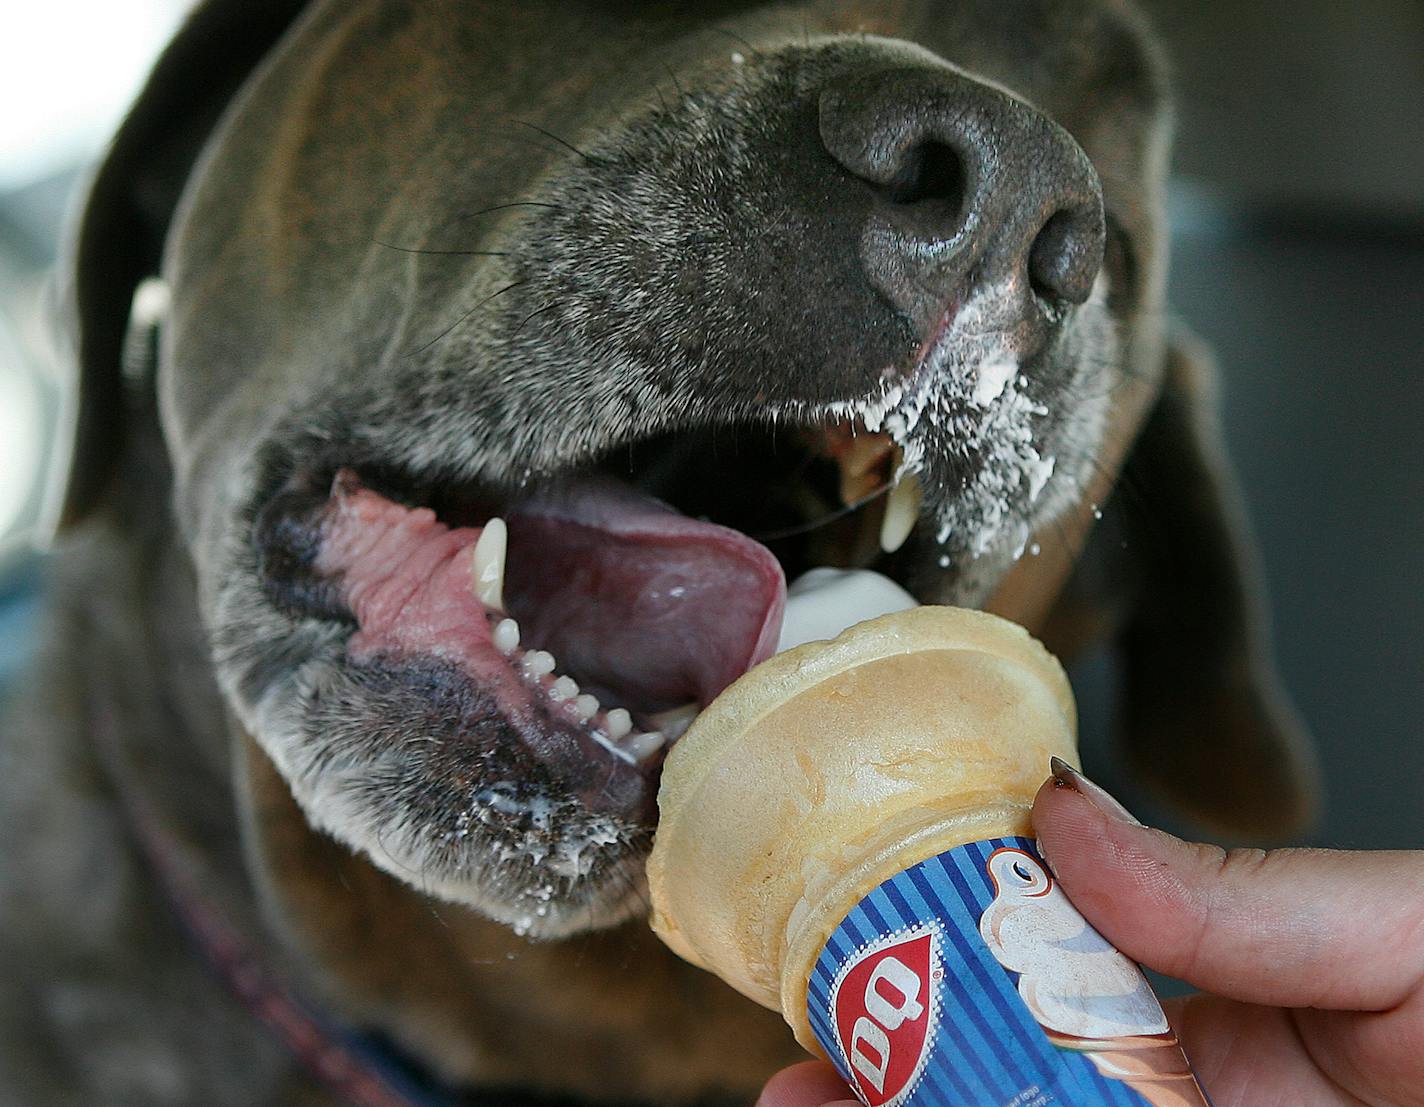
360, 1069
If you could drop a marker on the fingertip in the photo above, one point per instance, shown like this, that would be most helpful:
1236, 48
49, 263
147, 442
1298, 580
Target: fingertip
1066, 822
1108, 863
1045, 800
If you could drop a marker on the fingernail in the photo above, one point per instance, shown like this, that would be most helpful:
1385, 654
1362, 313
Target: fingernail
1065, 776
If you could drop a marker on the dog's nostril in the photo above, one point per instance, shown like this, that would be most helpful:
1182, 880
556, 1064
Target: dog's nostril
929, 171
1065, 257
969, 187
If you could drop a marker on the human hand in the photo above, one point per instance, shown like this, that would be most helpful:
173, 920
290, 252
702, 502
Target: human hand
1311, 962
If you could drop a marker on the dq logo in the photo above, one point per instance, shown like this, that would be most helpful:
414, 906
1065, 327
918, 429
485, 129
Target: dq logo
882, 1006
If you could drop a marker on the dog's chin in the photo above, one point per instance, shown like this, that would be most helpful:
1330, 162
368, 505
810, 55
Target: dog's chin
475, 682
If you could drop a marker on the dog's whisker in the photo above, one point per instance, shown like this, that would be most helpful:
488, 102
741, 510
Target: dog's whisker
823, 520
542, 311
1123, 481
675, 82
1130, 500
623, 872
381, 830
567, 145
592, 915
436, 915
531, 140
1134, 500
457, 322
1076, 393
506, 207
462, 253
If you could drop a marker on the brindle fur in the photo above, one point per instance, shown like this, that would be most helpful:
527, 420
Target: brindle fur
325, 309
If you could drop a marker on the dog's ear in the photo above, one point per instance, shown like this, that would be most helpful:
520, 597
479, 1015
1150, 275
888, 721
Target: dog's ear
1206, 723
117, 239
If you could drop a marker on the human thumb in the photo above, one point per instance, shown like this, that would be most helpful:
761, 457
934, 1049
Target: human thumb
1290, 928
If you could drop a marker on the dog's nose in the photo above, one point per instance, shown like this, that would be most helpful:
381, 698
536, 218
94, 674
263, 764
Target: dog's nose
971, 186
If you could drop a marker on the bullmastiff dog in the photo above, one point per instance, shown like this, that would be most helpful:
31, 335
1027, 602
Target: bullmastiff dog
513, 357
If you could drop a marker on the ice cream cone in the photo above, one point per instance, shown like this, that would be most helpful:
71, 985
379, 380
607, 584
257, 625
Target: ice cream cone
835, 765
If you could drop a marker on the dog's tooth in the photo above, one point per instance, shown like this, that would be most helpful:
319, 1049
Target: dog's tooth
506, 636
902, 511
565, 688
538, 663
619, 723
644, 744
586, 706
675, 721
490, 549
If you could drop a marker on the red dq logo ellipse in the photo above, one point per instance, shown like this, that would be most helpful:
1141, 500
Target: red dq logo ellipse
883, 1008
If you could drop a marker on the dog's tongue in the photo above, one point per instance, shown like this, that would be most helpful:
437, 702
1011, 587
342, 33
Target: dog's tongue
637, 599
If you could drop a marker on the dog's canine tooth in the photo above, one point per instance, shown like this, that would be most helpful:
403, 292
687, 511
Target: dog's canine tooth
644, 744
565, 688
902, 511
506, 636
586, 706
538, 663
676, 720
619, 723
488, 566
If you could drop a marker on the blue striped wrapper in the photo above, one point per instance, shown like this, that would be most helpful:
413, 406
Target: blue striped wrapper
962, 981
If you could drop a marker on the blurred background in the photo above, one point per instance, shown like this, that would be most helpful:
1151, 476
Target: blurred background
1298, 254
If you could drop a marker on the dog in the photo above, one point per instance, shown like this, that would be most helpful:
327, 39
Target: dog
691, 299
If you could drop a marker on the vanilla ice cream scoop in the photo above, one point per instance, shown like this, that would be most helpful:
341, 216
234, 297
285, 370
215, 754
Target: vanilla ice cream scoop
845, 836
